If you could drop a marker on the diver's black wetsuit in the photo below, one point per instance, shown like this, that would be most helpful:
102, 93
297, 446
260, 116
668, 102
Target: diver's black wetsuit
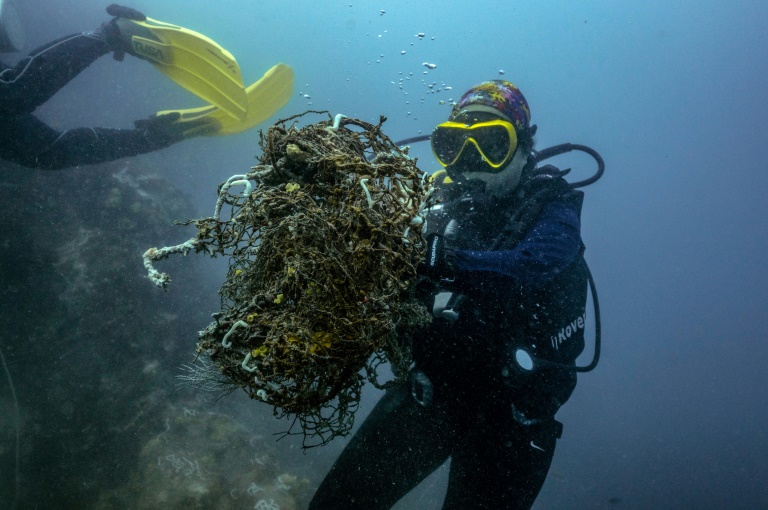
495, 423
30, 142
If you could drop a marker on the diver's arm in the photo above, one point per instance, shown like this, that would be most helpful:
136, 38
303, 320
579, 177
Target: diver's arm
47, 69
86, 146
552, 244
33, 144
40, 75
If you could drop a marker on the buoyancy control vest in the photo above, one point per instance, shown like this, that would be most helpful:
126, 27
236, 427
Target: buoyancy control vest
475, 335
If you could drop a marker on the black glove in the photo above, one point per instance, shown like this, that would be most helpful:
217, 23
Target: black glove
117, 32
438, 262
164, 130
120, 11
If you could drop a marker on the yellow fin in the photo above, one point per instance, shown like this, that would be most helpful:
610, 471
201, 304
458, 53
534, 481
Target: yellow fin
264, 98
194, 62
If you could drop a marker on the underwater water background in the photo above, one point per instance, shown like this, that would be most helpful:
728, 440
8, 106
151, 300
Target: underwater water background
671, 93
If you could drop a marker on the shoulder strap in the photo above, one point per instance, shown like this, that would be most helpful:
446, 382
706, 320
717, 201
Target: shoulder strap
541, 187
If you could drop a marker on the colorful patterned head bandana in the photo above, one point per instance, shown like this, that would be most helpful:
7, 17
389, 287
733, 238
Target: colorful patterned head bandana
500, 95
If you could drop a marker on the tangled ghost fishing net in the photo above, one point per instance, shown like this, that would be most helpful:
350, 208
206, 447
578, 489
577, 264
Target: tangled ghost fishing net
323, 239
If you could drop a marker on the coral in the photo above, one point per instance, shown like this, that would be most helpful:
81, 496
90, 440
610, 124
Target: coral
205, 460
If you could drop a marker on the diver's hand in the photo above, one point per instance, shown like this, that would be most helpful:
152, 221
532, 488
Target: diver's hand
120, 11
118, 32
164, 130
438, 262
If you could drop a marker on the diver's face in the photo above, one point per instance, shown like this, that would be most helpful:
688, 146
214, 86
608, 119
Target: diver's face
470, 159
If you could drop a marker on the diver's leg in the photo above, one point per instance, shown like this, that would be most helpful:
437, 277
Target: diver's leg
38, 76
397, 446
32, 143
500, 463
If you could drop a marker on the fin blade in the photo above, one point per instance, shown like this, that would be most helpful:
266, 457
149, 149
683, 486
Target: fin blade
265, 97
196, 63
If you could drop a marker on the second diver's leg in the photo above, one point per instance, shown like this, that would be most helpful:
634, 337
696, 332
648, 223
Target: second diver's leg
47, 69
397, 446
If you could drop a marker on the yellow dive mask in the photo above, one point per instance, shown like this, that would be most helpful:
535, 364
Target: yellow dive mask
495, 140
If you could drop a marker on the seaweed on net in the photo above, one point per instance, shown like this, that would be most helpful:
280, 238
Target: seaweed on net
323, 245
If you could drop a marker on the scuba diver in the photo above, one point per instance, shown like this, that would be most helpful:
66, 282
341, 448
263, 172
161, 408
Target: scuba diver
506, 281
187, 57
